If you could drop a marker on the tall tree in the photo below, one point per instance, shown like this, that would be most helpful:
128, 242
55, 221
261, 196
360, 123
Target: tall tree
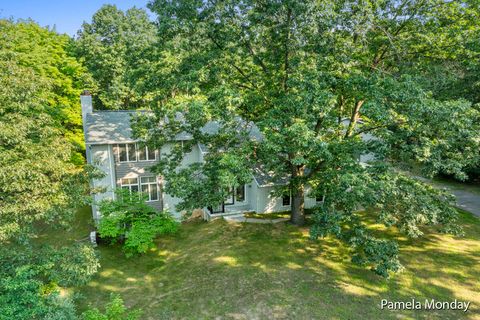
113, 47
314, 77
49, 55
38, 184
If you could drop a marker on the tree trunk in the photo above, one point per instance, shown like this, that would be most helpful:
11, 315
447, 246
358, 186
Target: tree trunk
298, 206
298, 197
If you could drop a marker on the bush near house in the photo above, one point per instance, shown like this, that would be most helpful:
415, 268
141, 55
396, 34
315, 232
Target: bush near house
130, 220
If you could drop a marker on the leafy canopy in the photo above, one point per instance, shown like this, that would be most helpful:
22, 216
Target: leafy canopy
39, 184
49, 56
113, 47
322, 82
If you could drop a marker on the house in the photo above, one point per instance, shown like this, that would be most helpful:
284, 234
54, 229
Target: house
126, 164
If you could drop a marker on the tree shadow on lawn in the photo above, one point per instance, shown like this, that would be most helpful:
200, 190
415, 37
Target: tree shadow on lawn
245, 271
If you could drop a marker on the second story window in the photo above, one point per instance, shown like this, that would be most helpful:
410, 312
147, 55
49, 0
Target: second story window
146, 154
131, 152
126, 152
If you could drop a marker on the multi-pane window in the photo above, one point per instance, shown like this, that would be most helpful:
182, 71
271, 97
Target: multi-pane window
129, 152
146, 154
126, 152
286, 200
129, 184
150, 188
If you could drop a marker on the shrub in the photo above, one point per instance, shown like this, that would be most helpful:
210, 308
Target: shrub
130, 219
114, 310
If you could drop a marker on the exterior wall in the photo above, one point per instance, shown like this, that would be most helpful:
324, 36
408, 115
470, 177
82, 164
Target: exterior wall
195, 155
266, 202
258, 199
252, 194
101, 157
104, 158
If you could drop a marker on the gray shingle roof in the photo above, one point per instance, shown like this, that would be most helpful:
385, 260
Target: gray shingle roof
106, 127
266, 179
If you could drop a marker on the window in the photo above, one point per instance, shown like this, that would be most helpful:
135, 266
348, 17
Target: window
126, 152
132, 152
122, 153
235, 195
146, 154
240, 193
129, 184
286, 200
150, 188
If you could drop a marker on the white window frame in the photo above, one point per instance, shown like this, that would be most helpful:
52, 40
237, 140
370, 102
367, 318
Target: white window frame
146, 154
127, 146
321, 201
129, 185
289, 201
149, 184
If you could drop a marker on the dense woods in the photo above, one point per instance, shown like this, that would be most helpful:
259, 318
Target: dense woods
313, 77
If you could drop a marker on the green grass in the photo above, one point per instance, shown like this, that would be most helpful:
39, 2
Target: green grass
268, 216
256, 271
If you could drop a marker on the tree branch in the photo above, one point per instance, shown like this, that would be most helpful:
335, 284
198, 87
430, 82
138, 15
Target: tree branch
354, 118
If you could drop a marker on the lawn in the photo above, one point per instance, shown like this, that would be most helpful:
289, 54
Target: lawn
256, 271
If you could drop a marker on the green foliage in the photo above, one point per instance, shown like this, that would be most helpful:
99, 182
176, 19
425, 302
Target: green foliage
113, 47
23, 296
324, 82
114, 310
39, 184
49, 56
73, 266
37, 181
130, 218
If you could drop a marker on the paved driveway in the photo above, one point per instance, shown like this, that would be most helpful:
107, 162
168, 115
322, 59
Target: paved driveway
468, 201
468, 195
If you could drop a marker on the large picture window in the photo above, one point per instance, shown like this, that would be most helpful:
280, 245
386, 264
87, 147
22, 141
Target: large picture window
150, 188
129, 184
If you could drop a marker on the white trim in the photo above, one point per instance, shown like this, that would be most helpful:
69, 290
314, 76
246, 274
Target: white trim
322, 201
146, 154
112, 170
290, 201
127, 152
130, 185
148, 184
